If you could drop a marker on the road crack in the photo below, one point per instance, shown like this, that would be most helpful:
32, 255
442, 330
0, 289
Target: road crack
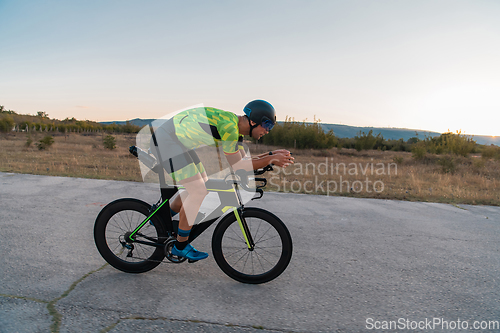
257, 327
24, 298
51, 306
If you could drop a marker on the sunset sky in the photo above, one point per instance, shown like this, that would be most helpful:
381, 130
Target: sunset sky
432, 65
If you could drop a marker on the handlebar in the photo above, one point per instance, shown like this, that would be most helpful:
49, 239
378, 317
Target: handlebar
243, 180
265, 169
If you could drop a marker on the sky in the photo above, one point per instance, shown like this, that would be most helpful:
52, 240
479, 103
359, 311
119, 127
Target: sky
431, 65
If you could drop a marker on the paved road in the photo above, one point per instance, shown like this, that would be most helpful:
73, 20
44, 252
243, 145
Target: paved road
354, 259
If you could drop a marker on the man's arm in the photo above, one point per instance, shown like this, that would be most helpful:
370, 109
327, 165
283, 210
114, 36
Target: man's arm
281, 158
274, 152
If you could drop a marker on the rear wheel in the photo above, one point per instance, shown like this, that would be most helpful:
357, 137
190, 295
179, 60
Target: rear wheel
113, 225
270, 256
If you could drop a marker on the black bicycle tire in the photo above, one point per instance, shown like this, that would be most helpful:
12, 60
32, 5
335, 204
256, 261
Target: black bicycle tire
103, 219
276, 223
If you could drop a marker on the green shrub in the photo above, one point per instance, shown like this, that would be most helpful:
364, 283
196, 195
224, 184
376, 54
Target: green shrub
45, 143
447, 143
302, 135
398, 159
419, 150
448, 164
109, 142
6, 124
347, 143
490, 152
459, 144
413, 140
396, 145
365, 141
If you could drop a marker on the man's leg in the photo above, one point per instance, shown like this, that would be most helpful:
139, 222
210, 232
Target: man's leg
191, 203
176, 203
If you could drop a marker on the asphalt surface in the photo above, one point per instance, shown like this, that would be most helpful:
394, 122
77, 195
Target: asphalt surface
357, 263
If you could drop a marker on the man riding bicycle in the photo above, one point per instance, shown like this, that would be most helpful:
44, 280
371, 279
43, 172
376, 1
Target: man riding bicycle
179, 136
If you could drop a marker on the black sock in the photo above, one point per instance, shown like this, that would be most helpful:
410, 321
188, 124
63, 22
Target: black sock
181, 245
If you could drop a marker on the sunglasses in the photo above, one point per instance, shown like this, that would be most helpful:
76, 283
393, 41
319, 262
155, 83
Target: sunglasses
267, 124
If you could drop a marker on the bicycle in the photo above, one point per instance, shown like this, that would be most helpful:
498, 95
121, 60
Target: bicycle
250, 245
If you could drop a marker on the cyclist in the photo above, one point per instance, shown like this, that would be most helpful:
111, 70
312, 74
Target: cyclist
179, 136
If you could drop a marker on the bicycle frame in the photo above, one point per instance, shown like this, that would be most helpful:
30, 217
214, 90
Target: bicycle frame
228, 194
229, 198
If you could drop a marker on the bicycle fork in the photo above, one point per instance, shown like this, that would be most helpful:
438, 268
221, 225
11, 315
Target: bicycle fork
244, 228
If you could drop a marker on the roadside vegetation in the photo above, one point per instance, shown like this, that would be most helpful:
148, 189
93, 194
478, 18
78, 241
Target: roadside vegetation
12, 121
435, 178
450, 168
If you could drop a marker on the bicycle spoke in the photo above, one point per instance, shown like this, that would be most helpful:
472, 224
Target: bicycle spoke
260, 262
232, 254
251, 255
117, 225
265, 255
245, 263
238, 234
270, 227
117, 247
265, 240
274, 254
140, 249
126, 216
237, 240
265, 259
257, 232
240, 258
127, 221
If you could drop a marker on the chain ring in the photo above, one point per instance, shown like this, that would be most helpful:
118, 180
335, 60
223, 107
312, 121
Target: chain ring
168, 251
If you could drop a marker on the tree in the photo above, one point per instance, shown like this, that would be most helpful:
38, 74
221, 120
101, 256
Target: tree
45, 143
6, 124
109, 142
2, 110
42, 114
295, 134
365, 141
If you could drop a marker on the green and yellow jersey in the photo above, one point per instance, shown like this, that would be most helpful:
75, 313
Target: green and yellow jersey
208, 126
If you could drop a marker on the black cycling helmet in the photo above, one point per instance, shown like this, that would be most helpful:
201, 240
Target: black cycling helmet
261, 113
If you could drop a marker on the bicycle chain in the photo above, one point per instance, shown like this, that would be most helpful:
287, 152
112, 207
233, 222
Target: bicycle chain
165, 260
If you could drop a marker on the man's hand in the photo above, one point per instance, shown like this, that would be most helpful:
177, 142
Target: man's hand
282, 158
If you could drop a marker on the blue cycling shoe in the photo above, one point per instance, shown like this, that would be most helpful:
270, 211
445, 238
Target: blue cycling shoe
190, 253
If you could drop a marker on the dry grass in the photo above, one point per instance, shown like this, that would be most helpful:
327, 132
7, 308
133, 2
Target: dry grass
75, 155
474, 180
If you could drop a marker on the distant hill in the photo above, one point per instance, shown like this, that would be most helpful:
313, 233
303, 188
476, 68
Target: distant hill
137, 121
346, 131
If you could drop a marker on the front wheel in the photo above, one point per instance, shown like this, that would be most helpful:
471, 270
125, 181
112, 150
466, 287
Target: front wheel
115, 222
266, 261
